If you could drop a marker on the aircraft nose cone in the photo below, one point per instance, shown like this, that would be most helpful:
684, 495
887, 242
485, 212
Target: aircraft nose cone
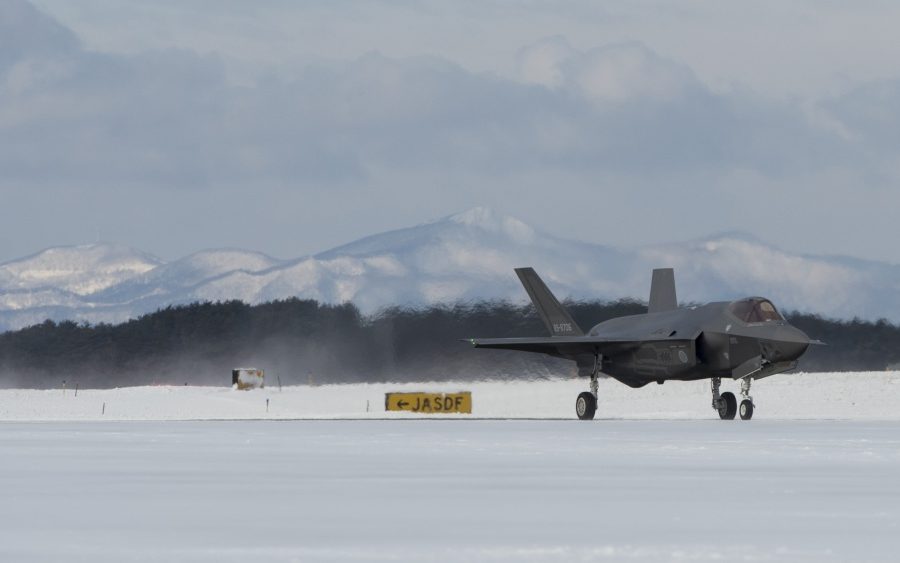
790, 344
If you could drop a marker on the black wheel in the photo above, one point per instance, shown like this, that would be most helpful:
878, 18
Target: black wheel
585, 406
746, 409
727, 406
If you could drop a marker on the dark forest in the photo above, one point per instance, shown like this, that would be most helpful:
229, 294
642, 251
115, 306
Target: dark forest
302, 341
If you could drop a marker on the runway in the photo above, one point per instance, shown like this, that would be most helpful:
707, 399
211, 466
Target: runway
476, 490
809, 396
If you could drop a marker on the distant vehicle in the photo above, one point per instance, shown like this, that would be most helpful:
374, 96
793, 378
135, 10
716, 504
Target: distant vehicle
248, 378
745, 340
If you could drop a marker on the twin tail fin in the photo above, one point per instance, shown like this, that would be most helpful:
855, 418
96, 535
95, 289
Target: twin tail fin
558, 321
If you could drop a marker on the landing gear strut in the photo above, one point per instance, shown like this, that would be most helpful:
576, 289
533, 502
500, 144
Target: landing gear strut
746, 409
725, 403
586, 403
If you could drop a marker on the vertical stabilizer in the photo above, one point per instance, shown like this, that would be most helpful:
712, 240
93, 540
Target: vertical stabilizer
554, 315
662, 291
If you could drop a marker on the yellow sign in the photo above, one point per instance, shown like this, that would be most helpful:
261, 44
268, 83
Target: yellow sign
429, 403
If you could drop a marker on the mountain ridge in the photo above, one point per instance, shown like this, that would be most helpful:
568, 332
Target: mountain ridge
465, 256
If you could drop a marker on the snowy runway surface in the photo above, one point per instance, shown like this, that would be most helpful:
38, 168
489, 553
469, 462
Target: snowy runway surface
450, 490
852, 396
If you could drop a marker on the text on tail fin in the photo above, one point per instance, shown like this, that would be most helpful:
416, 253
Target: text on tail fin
554, 315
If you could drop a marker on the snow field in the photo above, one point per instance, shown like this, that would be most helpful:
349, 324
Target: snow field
172, 474
444, 490
860, 396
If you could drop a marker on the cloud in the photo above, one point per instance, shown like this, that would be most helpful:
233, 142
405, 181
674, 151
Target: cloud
617, 126
542, 62
172, 118
872, 113
27, 32
616, 73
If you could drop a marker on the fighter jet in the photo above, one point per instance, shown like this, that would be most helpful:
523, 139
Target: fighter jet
745, 340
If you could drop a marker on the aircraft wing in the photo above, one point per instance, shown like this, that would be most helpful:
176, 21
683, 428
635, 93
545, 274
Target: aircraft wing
558, 345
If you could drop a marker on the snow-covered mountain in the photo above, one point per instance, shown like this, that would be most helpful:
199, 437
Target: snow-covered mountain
462, 257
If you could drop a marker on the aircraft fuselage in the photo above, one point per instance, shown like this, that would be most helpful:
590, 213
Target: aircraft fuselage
695, 343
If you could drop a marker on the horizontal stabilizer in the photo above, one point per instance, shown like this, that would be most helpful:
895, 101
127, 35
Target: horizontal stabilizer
554, 315
662, 291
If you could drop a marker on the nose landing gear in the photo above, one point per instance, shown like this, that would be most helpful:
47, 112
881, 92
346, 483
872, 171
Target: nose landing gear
586, 403
746, 409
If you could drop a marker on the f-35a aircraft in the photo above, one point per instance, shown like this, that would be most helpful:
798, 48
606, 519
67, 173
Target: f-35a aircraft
745, 340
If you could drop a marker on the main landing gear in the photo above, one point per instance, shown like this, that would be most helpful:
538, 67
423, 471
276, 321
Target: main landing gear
726, 403
586, 403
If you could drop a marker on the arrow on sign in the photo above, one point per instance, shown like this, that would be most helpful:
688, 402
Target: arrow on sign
402, 404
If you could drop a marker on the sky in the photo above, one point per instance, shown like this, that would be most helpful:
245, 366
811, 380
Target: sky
292, 127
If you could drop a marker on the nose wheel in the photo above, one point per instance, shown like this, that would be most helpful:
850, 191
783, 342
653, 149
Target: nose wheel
746, 409
585, 406
586, 403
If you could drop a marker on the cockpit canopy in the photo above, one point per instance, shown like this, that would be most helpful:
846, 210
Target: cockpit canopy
755, 310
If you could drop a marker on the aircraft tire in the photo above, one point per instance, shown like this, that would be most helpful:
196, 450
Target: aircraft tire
585, 406
746, 409
727, 406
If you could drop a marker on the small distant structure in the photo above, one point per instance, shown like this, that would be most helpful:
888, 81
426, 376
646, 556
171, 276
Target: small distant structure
247, 378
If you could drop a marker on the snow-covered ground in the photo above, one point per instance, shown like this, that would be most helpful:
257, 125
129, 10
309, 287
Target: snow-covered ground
450, 490
868, 396
659, 478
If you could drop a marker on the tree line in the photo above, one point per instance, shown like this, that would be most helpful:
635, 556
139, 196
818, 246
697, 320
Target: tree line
303, 341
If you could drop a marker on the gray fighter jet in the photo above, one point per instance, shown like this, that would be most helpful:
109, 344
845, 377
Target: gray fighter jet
745, 340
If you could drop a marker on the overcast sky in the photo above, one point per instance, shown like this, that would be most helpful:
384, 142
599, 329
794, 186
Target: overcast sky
291, 127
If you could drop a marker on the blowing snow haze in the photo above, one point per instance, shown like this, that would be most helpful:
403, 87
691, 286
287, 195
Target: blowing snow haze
293, 127
464, 257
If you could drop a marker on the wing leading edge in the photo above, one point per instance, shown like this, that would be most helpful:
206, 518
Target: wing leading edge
556, 345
